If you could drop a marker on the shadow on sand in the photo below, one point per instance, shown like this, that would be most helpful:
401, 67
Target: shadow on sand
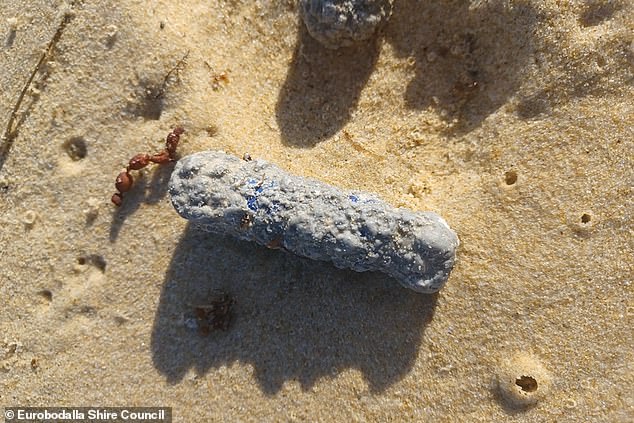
294, 319
322, 89
468, 60
469, 57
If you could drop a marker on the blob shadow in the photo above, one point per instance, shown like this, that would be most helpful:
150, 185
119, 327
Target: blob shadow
143, 191
468, 58
293, 319
322, 88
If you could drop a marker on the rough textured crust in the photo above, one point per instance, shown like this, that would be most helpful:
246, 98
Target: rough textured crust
340, 23
257, 201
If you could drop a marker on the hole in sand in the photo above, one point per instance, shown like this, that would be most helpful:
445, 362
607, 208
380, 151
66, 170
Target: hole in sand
527, 383
75, 148
47, 294
585, 218
510, 177
94, 259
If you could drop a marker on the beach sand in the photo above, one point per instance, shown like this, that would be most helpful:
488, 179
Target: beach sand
512, 120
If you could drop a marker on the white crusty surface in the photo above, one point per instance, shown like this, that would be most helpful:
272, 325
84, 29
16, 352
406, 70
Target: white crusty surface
341, 23
256, 200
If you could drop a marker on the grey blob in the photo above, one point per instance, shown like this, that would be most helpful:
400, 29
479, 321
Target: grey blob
341, 23
257, 201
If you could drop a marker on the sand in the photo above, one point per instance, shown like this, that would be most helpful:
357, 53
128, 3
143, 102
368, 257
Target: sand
512, 120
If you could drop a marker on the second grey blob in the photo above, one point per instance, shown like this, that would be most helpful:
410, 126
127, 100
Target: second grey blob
341, 23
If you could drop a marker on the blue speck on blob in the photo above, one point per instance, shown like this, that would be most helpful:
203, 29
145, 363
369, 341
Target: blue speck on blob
273, 208
252, 203
353, 198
